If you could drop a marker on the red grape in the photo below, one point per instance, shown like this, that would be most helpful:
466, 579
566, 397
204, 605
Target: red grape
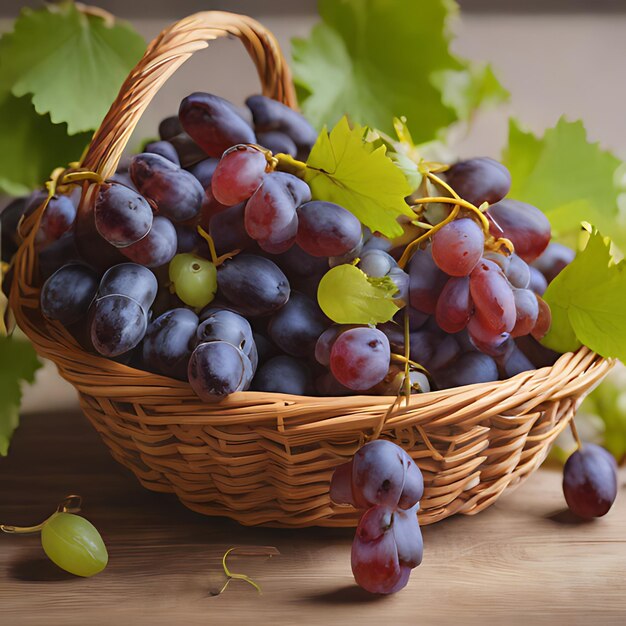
458, 246
526, 312
238, 174
525, 225
454, 305
359, 358
485, 339
493, 297
544, 319
375, 563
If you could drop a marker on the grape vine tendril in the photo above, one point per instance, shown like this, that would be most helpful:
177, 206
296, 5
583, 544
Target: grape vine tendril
70, 504
263, 551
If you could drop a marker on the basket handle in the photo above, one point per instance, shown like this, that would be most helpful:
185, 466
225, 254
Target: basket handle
163, 57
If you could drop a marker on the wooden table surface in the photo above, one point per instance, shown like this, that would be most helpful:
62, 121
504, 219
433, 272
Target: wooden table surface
523, 561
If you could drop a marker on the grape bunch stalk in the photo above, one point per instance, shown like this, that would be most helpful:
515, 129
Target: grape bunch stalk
207, 258
385, 481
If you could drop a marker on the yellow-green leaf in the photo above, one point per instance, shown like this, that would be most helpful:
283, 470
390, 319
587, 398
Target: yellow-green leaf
588, 302
348, 296
345, 169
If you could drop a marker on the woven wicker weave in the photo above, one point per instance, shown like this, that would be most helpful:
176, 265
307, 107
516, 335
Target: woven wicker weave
266, 458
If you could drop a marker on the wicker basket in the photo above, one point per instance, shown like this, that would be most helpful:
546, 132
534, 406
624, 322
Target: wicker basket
267, 458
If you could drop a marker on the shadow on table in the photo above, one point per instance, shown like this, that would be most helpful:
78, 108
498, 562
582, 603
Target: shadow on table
349, 594
566, 518
38, 569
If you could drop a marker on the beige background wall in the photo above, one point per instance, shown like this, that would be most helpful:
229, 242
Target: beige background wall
552, 64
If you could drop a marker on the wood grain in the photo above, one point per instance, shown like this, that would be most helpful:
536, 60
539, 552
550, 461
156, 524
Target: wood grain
523, 561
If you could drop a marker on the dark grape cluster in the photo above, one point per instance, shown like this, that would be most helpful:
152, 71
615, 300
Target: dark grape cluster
385, 481
200, 259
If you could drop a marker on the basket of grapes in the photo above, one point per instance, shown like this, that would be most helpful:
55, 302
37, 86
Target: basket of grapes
240, 311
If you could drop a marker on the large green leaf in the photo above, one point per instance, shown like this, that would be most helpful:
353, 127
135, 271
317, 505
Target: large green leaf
31, 146
345, 169
374, 60
564, 175
18, 364
588, 302
70, 62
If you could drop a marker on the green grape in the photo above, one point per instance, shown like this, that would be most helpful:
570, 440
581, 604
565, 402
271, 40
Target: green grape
74, 544
194, 279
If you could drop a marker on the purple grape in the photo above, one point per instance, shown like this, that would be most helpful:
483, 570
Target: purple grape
277, 142
283, 374
271, 115
590, 481
169, 341
175, 192
118, 324
326, 229
68, 293
296, 327
426, 281
165, 149
204, 170
553, 260
479, 180
130, 280
470, 368
217, 369
213, 123
223, 325
253, 284
122, 216
157, 248
228, 230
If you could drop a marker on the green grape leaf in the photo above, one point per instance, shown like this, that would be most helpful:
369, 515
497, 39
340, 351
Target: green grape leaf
72, 63
588, 302
466, 90
345, 169
31, 146
348, 296
608, 403
18, 363
378, 59
564, 175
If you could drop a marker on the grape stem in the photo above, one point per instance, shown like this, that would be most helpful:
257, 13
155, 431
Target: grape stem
458, 202
407, 361
216, 260
407, 354
70, 504
286, 163
572, 425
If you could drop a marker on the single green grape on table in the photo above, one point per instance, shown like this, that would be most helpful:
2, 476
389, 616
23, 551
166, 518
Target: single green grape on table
74, 544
